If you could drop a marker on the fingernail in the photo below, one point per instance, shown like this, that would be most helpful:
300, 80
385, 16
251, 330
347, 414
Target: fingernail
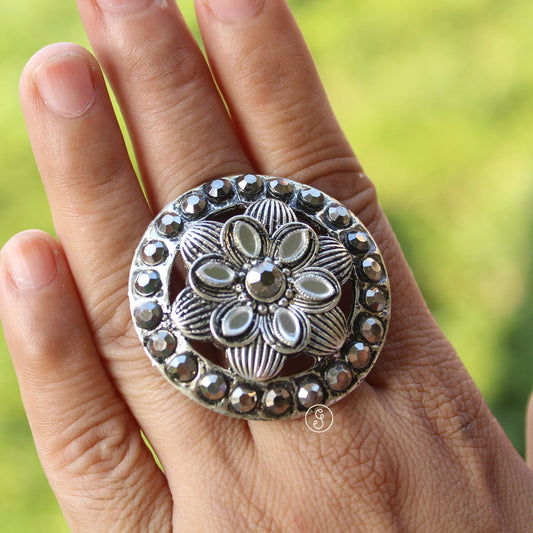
234, 10
123, 5
66, 85
30, 262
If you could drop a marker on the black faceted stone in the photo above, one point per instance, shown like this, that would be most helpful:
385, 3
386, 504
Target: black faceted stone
339, 376
277, 401
250, 184
154, 253
243, 399
310, 393
357, 242
372, 330
148, 315
147, 282
212, 386
183, 367
168, 224
193, 205
339, 216
371, 269
280, 187
218, 189
161, 344
312, 198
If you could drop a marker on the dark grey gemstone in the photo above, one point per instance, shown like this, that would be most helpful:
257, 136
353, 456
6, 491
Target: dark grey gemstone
243, 399
154, 253
148, 315
339, 216
168, 224
277, 400
312, 198
147, 282
183, 367
161, 344
265, 281
357, 242
250, 184
212, 386
218, 189
372, 330
375, 299
339, 376
310, 393
359, 355
371, 269
193, 205
280, 187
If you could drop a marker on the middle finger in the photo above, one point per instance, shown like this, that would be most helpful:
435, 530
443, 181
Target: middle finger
178, 124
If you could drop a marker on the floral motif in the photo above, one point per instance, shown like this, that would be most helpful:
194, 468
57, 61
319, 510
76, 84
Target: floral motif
257, 285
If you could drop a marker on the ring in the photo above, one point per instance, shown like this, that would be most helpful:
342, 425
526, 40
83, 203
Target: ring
286, 302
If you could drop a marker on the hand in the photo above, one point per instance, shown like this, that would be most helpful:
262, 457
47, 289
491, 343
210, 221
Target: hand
413, 448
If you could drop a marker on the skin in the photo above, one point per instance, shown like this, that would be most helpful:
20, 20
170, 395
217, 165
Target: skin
414, 448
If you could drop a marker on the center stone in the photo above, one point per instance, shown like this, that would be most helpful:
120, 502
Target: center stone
265, 282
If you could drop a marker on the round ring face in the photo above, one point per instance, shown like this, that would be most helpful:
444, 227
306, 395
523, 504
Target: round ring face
276, 271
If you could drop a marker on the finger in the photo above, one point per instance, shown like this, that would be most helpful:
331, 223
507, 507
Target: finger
179, 126
98, 208
100, 215
276, 99
275, 96
529, 433
88, 442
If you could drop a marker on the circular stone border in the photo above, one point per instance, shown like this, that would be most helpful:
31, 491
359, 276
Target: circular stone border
215, 387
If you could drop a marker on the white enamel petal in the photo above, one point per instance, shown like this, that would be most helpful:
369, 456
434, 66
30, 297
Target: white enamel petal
246, 239
315, 287
293, 246
287, 327
216, 274
317, 290
287, 330
237, 321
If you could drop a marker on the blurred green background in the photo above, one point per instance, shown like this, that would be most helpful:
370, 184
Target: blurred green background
437, 99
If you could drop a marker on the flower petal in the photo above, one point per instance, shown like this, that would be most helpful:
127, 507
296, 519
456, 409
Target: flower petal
328, 333
213, 277
234, 324
271, 213
201, 239
334, 257
257, 361
192, 314
295, 245
244, 239
317, 290
287, 330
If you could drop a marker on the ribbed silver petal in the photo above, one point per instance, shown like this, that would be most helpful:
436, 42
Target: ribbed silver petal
192, 314
328, 333
333, 256
201, 239
257, 361
272, 213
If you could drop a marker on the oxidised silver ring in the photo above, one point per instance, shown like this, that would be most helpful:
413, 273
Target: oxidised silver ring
267, 260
